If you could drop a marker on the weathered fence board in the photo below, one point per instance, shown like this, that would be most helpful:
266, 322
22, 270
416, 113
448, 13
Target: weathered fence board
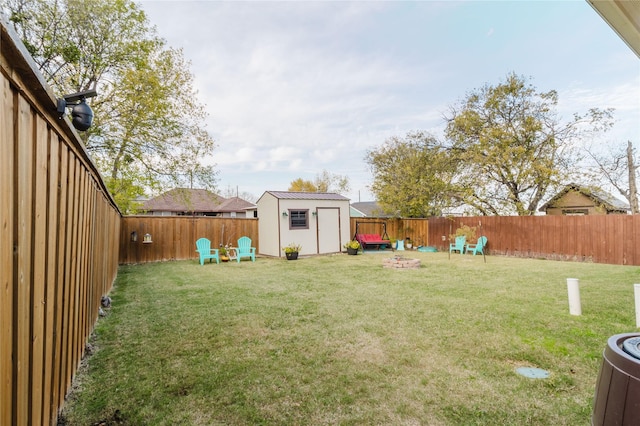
6, 249
39, 263
24, 280
51, 279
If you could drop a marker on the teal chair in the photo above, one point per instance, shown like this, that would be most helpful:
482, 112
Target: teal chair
245, 250
459, 244
203, 247
478, 247
400, 245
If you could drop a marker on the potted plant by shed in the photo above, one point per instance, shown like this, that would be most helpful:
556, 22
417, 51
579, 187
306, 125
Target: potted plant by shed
352, 247
291, 251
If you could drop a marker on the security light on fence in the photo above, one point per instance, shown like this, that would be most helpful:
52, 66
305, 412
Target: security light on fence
81, 113
134, 236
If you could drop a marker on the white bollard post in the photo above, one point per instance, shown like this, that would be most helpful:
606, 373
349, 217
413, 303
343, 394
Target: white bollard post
636, 288
573, 287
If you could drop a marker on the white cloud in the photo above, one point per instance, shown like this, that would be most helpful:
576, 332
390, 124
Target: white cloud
293, 88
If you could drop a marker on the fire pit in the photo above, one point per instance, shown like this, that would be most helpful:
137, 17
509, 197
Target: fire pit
399, 262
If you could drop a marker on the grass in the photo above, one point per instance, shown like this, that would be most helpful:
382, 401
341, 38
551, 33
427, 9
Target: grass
340, 340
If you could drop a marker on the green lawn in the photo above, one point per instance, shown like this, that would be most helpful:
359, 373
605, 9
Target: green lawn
340, 340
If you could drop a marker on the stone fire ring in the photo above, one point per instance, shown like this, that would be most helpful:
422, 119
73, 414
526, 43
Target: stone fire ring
399, 262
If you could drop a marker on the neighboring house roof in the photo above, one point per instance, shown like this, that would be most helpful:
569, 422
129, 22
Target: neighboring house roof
369, 209
289, 195
353, 212
600, 197
184, 200
235, 204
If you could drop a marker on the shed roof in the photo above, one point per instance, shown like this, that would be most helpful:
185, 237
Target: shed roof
291, 195
599, 196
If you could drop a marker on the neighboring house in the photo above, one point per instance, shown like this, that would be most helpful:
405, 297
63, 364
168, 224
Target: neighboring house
319, 222
354, 212
237, 207
196, 202
584, 200
367, 209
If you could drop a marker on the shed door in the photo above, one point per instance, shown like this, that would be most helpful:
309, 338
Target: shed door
328, 220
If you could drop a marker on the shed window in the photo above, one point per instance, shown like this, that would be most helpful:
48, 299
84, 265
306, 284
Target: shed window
299, 219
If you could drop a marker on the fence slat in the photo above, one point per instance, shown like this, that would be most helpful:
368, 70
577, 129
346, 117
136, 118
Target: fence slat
39, 214
24, 278
51, 277
7, 183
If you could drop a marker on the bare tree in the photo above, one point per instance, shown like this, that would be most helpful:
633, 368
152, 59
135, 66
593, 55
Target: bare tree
618, 168
633, 188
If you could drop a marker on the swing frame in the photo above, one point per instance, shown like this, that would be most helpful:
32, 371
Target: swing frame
372, 239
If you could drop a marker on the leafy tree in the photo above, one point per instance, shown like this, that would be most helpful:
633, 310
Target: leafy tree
301, 185
618, 169
513, 146
413, 176
323, 182
148, 129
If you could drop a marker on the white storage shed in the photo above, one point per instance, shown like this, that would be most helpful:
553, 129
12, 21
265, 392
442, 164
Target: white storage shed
319, 222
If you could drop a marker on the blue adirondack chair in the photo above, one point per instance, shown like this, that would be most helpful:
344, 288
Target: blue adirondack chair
459, 244
245, 250
478, 247
203, 247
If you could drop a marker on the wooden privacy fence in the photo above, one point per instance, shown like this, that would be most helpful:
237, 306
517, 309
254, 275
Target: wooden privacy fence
400, 229
59, 246
174, 237
601, 239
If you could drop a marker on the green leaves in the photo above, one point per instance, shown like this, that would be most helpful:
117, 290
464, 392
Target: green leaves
148, 130
505, 149
513, 147
323, 182
413, 176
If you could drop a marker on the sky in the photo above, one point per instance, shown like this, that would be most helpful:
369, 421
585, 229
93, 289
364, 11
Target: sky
293, 88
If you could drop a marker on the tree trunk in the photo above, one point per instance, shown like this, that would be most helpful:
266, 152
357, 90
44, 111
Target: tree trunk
633, 189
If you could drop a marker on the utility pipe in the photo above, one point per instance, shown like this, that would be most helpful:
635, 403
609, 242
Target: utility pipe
573, 287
